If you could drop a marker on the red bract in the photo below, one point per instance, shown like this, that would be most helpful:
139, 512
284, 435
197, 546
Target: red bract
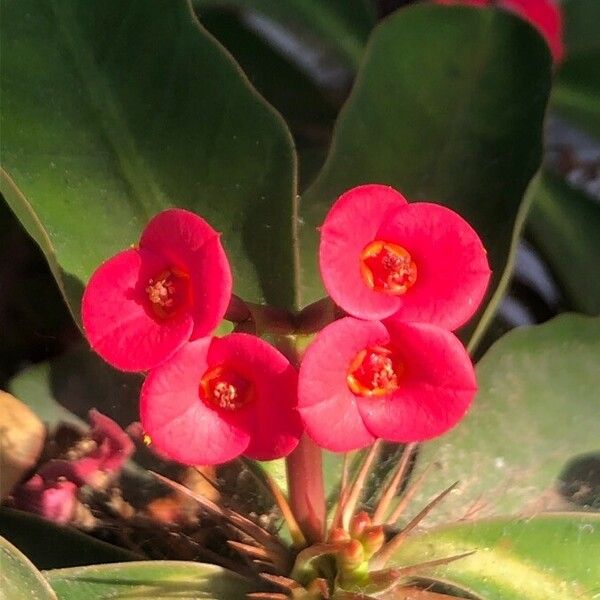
544, 15
219, 398
143, 304
381, 257
403, 382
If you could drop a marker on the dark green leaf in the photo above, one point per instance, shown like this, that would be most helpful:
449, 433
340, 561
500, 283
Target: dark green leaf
19, 579
341, 25
112, 111
551, 557
447, 107
528, 442
577, 88
50, 546
308, 109
565, 225
151, 580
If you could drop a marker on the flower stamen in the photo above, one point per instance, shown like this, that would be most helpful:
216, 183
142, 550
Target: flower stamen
387, 267
225, 388
168, 292
374, 371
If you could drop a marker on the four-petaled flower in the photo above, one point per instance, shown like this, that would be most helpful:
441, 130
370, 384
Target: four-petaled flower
403, 382
381, 257
218, 398
143, 304
544, 15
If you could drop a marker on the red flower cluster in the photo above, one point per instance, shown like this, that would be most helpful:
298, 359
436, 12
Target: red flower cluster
422, 269
407, 274
544, 15
205, 400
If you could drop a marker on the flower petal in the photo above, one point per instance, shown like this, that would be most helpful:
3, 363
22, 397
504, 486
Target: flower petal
189, 243
116, 318
328, 407
452, 266
435, 391
276, 427
349, 227
180, 423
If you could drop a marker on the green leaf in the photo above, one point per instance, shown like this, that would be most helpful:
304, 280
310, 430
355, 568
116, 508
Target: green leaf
550, 557
565, 225
50, 546
575, 94
309, 110
532, 429
67, 387
342, 26
113, 111
441, 112
149, 580
19, 579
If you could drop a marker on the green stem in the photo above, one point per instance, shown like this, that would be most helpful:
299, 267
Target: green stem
305, 487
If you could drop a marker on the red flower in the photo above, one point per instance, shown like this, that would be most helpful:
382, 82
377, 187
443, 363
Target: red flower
52, 497
218, 398
112, 449
381, 257
143, 304
544, 15
403, 382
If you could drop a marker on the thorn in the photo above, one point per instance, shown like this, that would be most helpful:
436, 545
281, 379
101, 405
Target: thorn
281, 500
392, 488
409, 495
253, 551
282, 560
395, 574
284, 582
382, 557
358, 484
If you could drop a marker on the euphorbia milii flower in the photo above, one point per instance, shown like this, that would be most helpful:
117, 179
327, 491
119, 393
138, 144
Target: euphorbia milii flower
544, 15
403, 382
143, 304
218, 398
381, 257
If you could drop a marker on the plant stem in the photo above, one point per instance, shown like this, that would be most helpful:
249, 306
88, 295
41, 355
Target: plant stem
305, 486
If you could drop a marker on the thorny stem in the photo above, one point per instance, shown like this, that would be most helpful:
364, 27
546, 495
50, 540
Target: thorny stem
305, 487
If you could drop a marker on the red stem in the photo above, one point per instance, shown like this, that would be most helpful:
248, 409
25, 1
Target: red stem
306, 492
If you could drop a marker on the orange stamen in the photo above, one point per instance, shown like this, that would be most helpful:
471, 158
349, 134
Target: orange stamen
387, 268
225, 388
168, 292
374, 371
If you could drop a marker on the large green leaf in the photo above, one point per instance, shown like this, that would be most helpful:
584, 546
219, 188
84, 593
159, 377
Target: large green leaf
114, 110
19, 579
51, 546
149, 580
577, 88
565, 225
341, 26
447, 107
551, 557
528, 442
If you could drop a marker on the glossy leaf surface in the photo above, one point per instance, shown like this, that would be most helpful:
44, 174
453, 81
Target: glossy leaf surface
156, 580
113, 111
19, 579
447, 107
530, 441
551, 557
